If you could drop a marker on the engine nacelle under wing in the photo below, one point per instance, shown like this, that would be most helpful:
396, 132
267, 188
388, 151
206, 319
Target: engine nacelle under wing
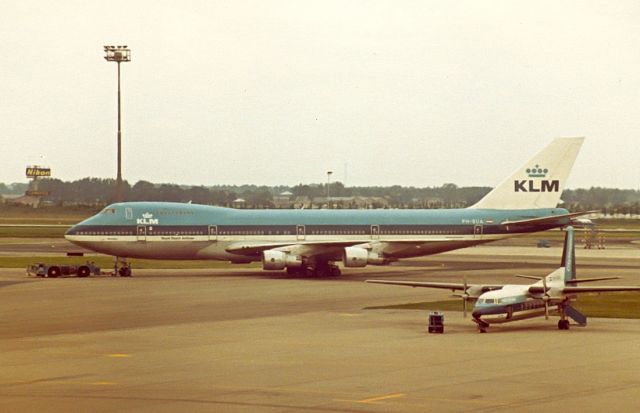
279, 260
360, 257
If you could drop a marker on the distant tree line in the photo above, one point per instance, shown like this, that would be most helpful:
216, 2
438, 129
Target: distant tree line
98, 191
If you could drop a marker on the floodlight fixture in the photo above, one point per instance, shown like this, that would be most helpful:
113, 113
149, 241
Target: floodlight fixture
117, 54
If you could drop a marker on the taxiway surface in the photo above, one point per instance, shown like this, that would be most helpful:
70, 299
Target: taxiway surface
246, 341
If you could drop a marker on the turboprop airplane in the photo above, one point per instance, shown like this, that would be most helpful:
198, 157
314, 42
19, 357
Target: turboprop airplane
513, 302
312, 241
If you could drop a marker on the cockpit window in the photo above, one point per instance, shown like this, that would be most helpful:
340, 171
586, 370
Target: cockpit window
489, 301
109, 211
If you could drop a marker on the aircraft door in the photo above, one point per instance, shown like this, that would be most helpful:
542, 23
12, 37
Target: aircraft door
142, 233
375, 231
477, 231
213, 232
300, 232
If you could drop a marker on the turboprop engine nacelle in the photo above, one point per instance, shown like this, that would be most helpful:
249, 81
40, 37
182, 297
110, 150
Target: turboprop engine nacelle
360, 257
279, 260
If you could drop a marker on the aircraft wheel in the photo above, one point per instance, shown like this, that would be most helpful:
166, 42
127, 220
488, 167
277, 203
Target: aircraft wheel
293, 271
563, 324
53, 272
84, 271
125, 272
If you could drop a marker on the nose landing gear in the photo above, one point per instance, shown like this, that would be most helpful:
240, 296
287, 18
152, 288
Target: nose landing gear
121, 267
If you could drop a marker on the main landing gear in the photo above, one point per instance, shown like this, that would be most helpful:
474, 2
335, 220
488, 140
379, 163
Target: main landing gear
121, 267
317, 269
563, 323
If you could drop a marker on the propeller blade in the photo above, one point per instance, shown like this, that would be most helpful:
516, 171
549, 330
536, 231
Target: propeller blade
546, 309
545, 298
464, 297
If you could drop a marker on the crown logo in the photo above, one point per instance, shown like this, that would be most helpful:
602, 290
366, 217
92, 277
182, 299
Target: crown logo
147, 215
537, 172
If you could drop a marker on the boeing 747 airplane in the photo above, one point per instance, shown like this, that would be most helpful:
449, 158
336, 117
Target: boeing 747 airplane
310, 242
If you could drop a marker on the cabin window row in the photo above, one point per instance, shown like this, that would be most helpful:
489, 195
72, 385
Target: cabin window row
105, 233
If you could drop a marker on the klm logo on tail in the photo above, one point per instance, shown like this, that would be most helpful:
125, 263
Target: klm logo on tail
539, 185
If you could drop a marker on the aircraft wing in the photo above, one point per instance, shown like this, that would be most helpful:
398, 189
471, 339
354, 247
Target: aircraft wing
588, 280
537, 289
442, 285
553, 219
299, 247
604, 289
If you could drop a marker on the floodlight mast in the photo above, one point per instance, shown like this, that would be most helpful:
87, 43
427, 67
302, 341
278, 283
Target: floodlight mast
328, 191
118, 54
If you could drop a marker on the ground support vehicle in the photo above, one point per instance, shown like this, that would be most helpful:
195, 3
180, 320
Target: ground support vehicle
53, 270
436, 322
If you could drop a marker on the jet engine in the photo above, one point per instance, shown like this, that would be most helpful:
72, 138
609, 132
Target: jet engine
279, 260
360, 257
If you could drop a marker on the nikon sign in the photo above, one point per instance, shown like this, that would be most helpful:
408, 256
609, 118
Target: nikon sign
37, 171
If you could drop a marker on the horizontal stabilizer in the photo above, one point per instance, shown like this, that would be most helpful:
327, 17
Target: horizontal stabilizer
576, 315
553, 219
528, 277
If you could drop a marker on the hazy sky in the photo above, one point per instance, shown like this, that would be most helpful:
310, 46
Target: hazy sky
279, 92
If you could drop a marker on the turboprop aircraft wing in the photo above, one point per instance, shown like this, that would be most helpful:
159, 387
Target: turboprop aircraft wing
443, 285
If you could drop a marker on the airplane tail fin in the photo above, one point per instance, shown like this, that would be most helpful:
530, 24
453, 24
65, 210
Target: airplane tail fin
539, 182
569, 256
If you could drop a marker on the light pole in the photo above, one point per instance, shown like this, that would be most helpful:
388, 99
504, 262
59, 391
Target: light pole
328, 190
118, 54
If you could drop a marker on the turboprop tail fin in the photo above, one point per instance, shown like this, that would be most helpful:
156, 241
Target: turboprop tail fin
539, 182
569, 256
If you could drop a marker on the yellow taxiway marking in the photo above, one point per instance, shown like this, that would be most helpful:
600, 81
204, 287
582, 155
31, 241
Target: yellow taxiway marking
349, 315
380, 398
118, 355
103, 383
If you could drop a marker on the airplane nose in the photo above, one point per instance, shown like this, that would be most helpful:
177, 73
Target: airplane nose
71, 231
72, 234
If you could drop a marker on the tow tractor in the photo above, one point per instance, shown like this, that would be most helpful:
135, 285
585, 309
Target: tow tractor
53, 270
42, 269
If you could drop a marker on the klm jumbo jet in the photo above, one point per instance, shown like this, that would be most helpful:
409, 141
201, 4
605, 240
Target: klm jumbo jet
311, 242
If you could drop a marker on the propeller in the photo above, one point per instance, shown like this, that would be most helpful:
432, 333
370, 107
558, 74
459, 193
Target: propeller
465, 297
545, 298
